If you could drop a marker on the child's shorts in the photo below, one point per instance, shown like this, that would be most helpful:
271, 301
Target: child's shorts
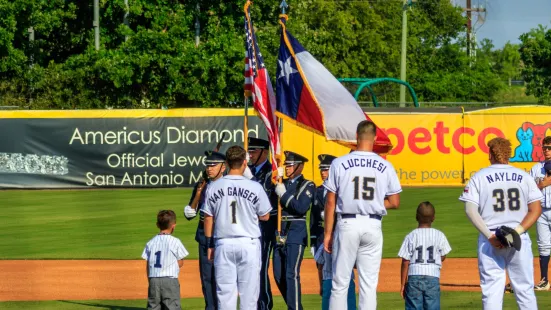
163, 293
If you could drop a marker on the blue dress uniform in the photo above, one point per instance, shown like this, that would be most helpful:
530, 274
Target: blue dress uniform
206, 267
295, 203
316, 218
262, 173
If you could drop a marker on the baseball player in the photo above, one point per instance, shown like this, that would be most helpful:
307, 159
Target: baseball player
496, 196
541, 172
234, 205
423, 252
360, 187
165, 256
261, 169
296, 196
215, 162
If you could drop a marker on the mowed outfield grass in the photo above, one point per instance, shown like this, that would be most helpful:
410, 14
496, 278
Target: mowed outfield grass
116, 224
449, 300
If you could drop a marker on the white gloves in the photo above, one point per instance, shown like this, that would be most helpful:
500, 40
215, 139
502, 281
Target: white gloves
248, 157
280, 189
280, 171
189, 212
248, 173
323, 215
313, 251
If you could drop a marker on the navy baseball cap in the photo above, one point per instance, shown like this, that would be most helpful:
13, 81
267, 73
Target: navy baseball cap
214, 158
325, 161
292, 158
256, 143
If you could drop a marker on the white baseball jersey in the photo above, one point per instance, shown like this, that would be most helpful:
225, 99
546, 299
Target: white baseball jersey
235, 203
162, 254
424, 248
361, 181
502, 193
538, 173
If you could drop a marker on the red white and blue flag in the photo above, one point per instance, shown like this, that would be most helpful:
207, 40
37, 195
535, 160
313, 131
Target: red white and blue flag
257, 83
309, 96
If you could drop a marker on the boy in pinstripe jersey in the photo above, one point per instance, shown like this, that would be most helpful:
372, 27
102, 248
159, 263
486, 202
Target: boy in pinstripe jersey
422, 253
165, 256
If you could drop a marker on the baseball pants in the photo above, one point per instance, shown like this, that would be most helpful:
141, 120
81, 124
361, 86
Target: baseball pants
208, 282
237, 268
543, 229
287, 261
493, 262
357, 241
163, 293
268, 228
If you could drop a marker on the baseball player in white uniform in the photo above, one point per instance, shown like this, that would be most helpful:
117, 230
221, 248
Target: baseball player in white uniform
361, 186
234, 205
502, 195
164, 254
541, 172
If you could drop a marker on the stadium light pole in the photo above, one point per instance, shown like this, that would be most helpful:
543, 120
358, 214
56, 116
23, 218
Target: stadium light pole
96, 23
404, 51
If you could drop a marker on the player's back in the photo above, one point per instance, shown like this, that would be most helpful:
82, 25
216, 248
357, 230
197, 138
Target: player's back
162, 253
235, 202
426, 247
362, 180
504, 194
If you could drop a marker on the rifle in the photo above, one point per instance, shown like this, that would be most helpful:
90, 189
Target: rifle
204, 178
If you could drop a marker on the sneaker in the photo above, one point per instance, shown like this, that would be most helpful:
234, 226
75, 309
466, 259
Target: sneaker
509, 288
543, 285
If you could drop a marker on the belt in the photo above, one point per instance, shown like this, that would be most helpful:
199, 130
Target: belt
353, 216
292, 218
494, 229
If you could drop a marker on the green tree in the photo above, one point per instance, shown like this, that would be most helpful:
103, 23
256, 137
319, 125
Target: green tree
535, 53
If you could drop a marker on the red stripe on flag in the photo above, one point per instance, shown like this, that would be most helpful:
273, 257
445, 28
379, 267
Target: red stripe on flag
308, 112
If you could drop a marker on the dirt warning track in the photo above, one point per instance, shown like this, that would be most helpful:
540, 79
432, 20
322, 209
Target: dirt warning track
126, 279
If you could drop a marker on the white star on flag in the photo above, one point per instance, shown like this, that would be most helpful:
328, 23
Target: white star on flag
286, 69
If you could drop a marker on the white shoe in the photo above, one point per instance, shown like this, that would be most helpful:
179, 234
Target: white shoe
543, 285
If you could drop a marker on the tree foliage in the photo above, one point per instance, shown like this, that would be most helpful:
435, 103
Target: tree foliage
535, 53
148, 56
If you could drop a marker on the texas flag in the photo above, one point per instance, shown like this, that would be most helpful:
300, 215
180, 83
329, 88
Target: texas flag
309, 96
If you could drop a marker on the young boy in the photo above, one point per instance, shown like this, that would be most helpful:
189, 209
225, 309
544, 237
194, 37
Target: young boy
165, 256
422, 252
324, 260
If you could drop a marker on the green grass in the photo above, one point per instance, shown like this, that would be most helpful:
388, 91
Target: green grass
449, 300
116, 224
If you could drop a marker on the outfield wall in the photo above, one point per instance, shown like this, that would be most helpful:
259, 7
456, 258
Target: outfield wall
164, 148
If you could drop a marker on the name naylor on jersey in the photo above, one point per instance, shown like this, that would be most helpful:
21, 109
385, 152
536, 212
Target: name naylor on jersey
365, 163
504, 176
233, 191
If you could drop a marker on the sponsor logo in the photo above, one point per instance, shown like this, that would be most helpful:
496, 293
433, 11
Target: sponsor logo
530, 137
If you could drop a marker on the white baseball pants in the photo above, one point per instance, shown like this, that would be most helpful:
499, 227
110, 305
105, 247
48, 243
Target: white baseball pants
493, 262
356, 241
237, 263
543, 229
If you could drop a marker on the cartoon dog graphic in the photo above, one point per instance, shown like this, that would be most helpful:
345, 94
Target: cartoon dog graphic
530, 137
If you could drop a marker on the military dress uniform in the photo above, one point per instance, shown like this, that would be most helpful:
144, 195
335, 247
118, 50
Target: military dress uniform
295, 202
316, 214
206, 267
262, 173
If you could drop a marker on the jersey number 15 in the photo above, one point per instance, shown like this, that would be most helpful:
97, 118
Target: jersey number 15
368, 192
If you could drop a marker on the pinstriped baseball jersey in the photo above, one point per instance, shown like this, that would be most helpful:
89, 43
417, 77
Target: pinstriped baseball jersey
235, 202
424, 248
361, 181
502, 194
162, 254
538, 173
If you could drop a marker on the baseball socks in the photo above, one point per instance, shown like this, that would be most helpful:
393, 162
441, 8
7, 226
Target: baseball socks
544, 265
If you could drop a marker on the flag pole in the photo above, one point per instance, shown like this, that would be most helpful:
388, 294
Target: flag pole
246, 123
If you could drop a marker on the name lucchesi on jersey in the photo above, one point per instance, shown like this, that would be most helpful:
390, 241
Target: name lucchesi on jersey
233, 191
364, 163
504, 176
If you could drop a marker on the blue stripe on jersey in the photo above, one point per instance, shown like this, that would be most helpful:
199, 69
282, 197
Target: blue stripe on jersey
424, 248
162, 253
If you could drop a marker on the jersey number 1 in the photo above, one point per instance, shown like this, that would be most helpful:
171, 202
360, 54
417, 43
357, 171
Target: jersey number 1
368, 192
233, 206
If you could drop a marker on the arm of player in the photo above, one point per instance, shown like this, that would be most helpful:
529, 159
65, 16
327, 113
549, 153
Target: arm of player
330, 203
403, 276
471, 210
145, 255
392, 199
298, 205
263, 206
534, 207
209, 221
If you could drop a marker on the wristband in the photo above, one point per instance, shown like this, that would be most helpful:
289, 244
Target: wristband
520, 229
210, 242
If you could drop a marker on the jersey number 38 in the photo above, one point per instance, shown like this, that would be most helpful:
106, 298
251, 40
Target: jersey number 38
511, 197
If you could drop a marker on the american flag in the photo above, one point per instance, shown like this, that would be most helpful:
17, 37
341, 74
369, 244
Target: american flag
258, 85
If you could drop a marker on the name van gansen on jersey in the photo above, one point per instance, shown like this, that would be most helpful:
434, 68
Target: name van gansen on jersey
234, 191
364, 162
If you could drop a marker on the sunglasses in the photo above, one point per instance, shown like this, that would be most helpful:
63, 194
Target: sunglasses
546, 148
